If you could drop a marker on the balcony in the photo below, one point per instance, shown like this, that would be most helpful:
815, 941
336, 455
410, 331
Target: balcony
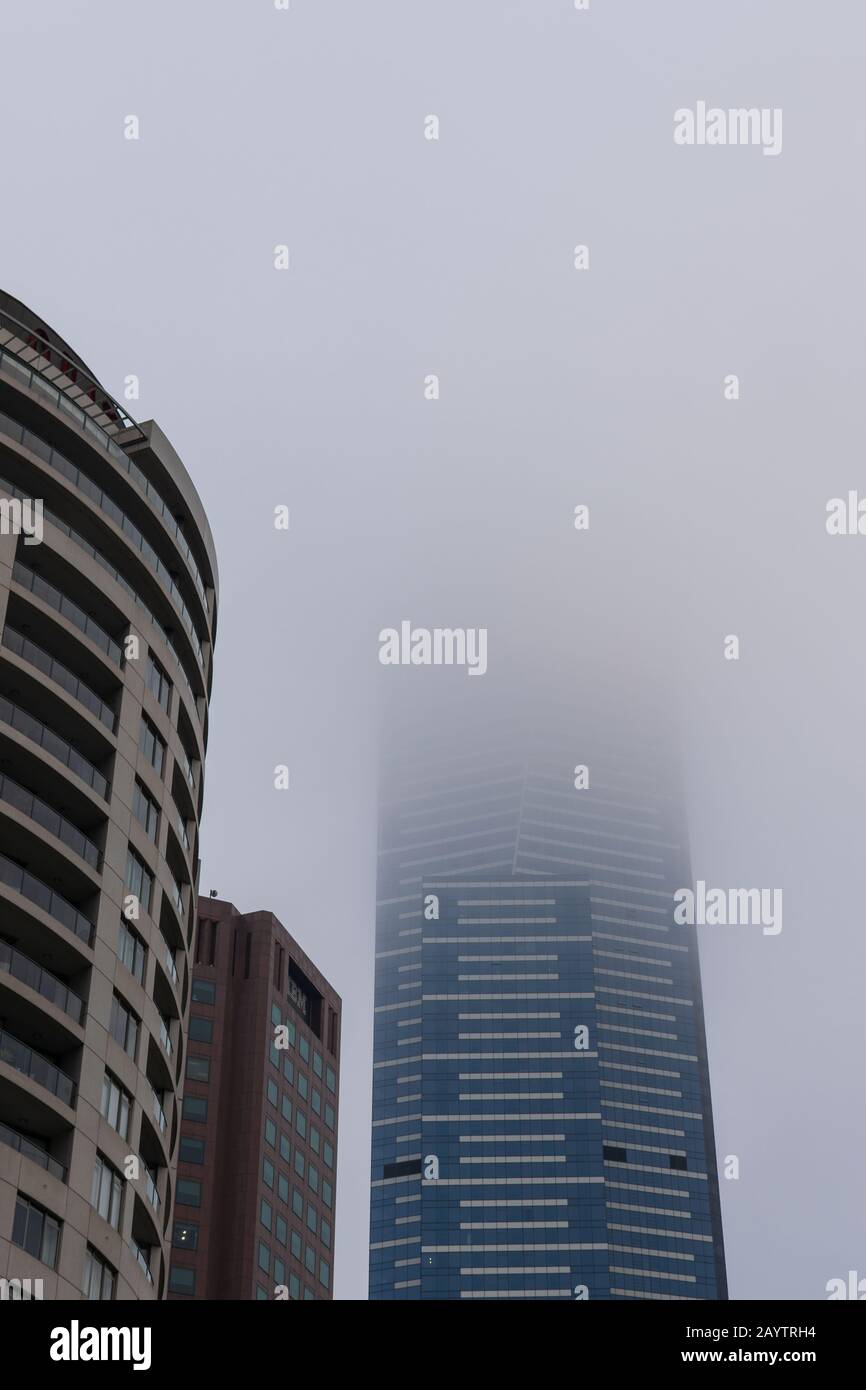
170, 965
24, 723
55, 670
158, 1112
22, 968
32, 888
141, 1259
40, 1069
165, 1038
150, 1188
49, 819
41, 589
62, 465
84, 404
6, 426
28, 1149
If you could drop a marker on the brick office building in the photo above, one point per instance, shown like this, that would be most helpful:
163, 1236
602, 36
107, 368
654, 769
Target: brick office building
254, 1211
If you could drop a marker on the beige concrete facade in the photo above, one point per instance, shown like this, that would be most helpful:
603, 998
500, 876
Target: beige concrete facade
125, 551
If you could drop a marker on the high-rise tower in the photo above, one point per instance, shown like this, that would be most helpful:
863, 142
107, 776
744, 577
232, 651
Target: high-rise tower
541, 1117
107, 618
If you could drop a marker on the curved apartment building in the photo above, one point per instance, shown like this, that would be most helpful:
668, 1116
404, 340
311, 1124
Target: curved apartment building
108, 591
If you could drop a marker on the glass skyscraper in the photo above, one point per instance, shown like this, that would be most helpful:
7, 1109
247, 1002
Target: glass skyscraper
542, 1124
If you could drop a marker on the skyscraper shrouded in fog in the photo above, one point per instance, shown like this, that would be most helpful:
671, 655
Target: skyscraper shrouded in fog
107, 613
542, 1124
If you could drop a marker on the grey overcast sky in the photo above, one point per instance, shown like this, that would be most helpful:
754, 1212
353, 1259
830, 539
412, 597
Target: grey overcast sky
604, 386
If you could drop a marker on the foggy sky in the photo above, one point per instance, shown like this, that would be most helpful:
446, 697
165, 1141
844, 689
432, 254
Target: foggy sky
558, 387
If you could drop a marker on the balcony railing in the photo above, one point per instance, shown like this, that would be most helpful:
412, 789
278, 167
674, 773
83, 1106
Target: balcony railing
39, 1069
114, 415
150, 1188
176, 895
18, 718
48, 593
28, 1149
49, 819
60, 674
165, 1037
58, 907
170, 963
141, 1260
22, 968
69, 470
105, 564
159, 1113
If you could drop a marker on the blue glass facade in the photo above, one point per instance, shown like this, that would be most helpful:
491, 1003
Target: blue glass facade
541, 1111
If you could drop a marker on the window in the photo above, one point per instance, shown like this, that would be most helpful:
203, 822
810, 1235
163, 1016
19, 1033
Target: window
301, 1123
181, 1280
139, 879
131, 951
106, 1191
195, 1108
289, 1070
296, 1245
304, 1048
279, 1273
294, 1286
312, 1218
328, 1154
145, 809
116, 1104
268, 1173
36, 1231
273, 1092
158, 682
324, 1273
327, 1194
299, 1163
310, 1259
100, 1280
200, 1029
275, 1014
297, 1203
198, 1068
309, 1296
188, 1192
282, 1230
266, 1215
285, 1147
286, 1107
264, 1257
270, 1134
191, 1150
315, 1139
317, 1063
123, 1026
262, 1295
203, 992
185, 1235
678, 1161
291, 1033
303, 1086
326, 1233
329, 1116
283, 1188
313, 1177
151, 745
331, 1079
316, 1100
